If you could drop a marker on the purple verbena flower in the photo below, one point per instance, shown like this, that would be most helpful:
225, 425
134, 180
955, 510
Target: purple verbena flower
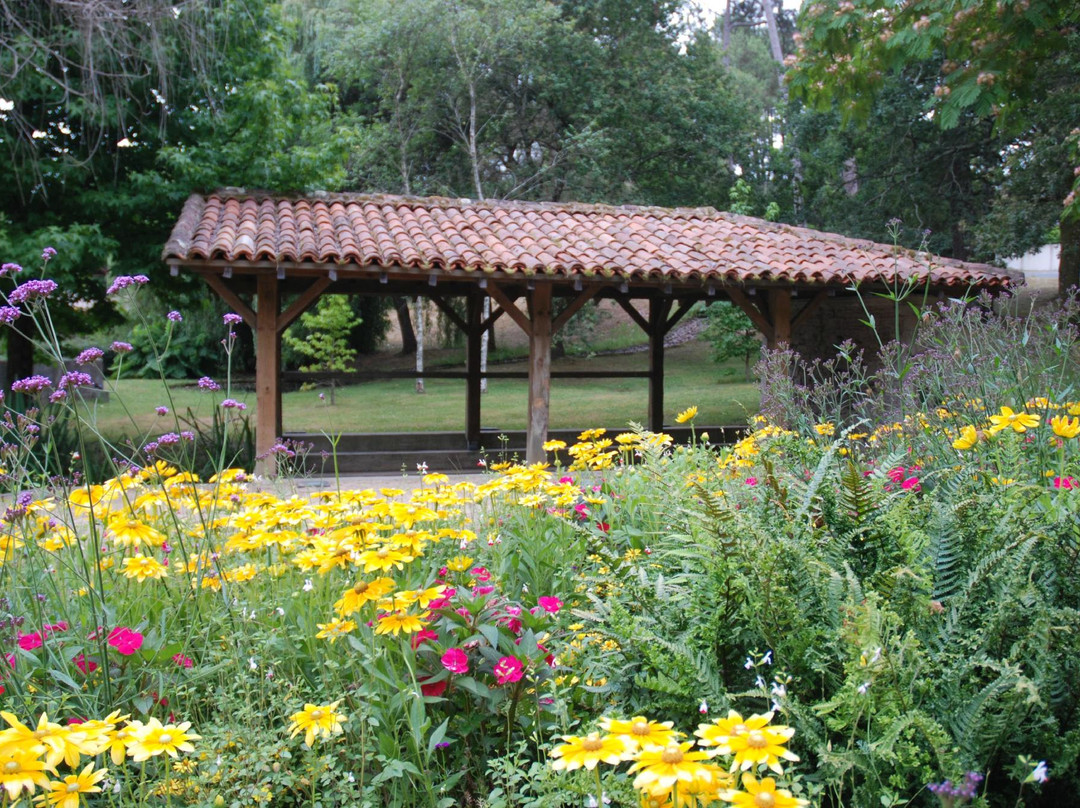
206, 383
124, 281
75, 378
31, 384
89, 356
47, 253
161, 410
57, 395
122, 347
187, 435
9, 314
12, 268
168, 439
232, 319
232, 404
175, 316
32, 290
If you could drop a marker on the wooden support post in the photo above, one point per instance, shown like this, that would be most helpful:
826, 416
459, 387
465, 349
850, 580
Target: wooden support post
539, 372
780, 314
473, 332
267, 371
658, 314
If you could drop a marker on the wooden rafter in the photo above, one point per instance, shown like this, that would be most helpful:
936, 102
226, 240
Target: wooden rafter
233, 299
809, 309
573, 308
753, 312
302, 303
634, 314
682, 311
507, 305
448, 310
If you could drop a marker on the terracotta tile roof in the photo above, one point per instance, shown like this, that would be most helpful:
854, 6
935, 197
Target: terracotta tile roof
637, 243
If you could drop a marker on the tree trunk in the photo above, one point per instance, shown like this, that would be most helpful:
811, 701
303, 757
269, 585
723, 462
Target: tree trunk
408, 336
726, 41
774, 32
419, 344
485, 341
1069, 267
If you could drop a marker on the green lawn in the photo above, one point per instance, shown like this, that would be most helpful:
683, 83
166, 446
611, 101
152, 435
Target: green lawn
393, 405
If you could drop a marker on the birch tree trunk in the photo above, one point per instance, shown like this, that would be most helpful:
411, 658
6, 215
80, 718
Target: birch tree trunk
419, 313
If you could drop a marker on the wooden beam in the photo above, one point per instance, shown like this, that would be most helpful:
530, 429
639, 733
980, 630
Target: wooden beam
684, 308
448, 310
780, 314
230, 297
302, 303
267, 373
658, 314
473, 332
809, 309
751, 311
507, 305
539, 372
372, 375
490, 321
573, 308
635, 315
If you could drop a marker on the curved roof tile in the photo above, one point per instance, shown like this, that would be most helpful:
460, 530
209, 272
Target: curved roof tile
548, 238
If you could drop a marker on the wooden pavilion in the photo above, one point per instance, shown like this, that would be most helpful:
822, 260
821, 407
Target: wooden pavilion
270, 258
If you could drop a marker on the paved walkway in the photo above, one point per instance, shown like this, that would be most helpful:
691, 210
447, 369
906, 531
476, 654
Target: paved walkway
350, 482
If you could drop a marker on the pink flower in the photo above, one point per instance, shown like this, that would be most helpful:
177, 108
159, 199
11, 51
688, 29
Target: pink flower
508, 669
456, 661
551, 605
125, 641
421, 637
896, 474
87, 666
1067, 483
480, 591
183, 661
433, 689
751, 481
49, 628
481, 574
911, 484
28, 642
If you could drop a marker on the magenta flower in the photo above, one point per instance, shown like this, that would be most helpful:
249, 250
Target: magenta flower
456, 661
89, 356
175, 316
9, 314
32, 290
168, 439
124, 281
75, 378
481, 574
161, 410
28, 642
125, 641
231, 404
508, 669
232, 319
47, 253
31, 384
122, 347
206, 383
87, 666
551, 605
183, 661
187, 434
12, 268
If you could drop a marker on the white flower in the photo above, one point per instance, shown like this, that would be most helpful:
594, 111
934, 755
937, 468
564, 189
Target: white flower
749, 663
253, 664
1041, 773
124, 143
767, 659
280, 611
422, 468
703, 708
759, 682
308, 585
6, 106
863, 688
37, 134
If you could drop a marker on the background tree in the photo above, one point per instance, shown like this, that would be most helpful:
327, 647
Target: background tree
326, 341
1012, 63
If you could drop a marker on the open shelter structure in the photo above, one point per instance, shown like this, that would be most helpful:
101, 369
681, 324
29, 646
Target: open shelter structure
270, 258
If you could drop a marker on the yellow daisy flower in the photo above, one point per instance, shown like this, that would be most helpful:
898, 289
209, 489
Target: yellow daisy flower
969, 436
660, 767
66, 793
640, 731
399, 623
589, 751
143, 568
154, 738
362, 592
335, 630
21, 770
317, 721
761, 794
1018, 421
